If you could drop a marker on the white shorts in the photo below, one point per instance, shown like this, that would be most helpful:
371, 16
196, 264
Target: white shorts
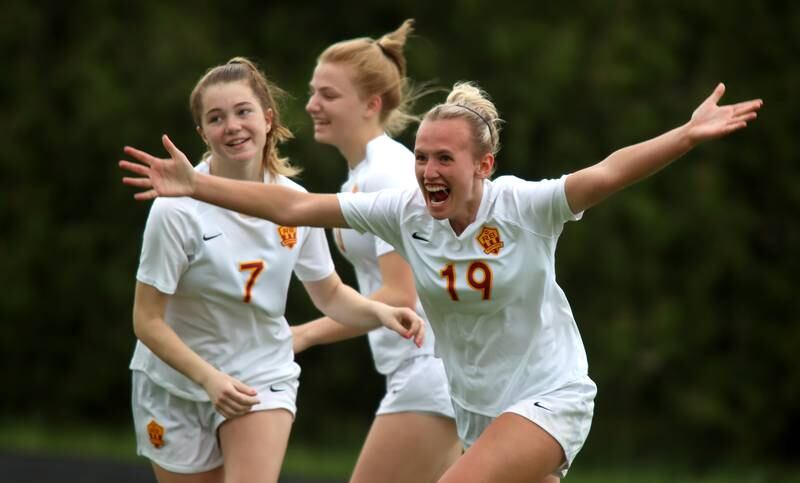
566, 414
419, 384
180, 435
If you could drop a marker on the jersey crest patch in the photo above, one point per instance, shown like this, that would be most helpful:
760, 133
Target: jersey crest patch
489, 238
156, 433
288, 236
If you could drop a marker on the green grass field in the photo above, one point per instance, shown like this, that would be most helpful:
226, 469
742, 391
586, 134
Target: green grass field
336, 462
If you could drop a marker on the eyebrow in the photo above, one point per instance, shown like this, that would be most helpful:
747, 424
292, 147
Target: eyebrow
238, 104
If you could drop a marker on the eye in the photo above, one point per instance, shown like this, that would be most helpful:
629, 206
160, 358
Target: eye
245, 111
421, 158
214, 119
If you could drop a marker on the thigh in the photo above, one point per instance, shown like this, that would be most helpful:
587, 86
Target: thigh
512, 449
176, 434
253, 445
407, 448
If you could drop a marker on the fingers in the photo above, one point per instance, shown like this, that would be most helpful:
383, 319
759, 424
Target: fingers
717, 94
135, 168
747, 106
169, 146
137, 182
173, 150
420, 337
146, 195
238, 401
140, 156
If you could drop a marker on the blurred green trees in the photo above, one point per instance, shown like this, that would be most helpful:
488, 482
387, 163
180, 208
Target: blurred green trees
683, 286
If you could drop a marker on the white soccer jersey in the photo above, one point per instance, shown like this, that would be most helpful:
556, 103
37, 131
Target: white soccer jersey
504, 328
388, 164
227, 275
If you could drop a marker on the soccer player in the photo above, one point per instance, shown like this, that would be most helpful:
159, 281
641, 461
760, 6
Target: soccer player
214, 377
483, 257
359, 93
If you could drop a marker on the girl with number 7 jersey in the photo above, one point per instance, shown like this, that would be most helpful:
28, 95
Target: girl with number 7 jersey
214, 377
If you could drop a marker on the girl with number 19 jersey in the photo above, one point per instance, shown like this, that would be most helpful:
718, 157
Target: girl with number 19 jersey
490, 293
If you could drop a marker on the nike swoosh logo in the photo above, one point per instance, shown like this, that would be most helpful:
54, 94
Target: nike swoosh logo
417, 236
211, 237
280, 389
539, 405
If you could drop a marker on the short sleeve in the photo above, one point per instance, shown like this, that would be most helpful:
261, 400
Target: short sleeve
314, 261
542, 205
377, 212
168, 245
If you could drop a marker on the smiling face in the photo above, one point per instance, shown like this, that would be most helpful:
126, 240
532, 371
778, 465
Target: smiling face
448, 172
335, 105
233, 123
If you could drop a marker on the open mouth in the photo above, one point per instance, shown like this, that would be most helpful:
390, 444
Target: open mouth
437, 194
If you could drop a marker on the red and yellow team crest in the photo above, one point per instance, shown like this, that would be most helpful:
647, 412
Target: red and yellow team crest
489, 238
156, 433
288, 236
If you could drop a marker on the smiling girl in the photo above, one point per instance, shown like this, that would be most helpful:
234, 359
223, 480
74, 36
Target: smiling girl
214, 377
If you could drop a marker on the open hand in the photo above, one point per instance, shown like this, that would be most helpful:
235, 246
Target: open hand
172, 176
711, 121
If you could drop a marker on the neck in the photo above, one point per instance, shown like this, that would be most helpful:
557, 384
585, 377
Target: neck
465, 217
250, 171
354, 150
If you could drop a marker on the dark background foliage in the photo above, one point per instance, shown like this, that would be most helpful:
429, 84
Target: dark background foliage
682, 285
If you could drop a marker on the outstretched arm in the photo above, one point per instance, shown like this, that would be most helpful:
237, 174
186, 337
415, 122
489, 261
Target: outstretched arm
589, 186
175, 176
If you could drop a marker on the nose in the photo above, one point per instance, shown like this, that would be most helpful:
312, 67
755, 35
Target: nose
429, 171
232, 125
312, 105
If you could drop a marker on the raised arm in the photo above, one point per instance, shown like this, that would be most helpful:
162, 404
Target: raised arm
175, 176
589, 186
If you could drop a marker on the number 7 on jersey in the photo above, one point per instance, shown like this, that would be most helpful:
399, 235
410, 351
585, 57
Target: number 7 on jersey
255, 268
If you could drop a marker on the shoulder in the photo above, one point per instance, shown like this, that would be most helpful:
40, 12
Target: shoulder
174, 207
389, 165
505, 184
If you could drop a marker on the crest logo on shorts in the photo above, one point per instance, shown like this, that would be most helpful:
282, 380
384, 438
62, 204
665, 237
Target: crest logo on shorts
156, 433
288, 236
489, 238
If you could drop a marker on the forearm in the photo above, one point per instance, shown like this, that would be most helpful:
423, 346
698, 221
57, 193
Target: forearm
326, 330
624, 167
279, 204
165, 343
634, 163
346, 306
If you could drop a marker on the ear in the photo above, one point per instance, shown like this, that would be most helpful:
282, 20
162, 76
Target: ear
202, 134
374, 106
484, 167
269, 114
